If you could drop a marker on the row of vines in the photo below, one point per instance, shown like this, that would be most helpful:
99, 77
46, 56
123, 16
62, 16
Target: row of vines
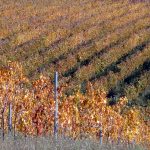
79, 115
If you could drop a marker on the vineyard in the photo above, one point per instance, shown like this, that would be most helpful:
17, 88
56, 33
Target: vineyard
79, 115
84, 41
101, 51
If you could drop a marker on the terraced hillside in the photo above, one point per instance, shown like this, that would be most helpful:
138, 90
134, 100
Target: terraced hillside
104, 42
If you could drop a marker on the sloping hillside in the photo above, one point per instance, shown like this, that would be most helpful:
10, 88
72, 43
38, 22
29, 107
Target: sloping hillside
104, 42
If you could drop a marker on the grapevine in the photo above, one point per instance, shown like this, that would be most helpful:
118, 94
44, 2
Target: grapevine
79, 115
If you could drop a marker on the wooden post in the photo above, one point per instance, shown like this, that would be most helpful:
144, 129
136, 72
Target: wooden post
56, 105
10, 118
3, 132
14, 127
101, 135
3, 122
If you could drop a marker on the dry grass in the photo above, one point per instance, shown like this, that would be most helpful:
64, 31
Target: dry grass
47, 143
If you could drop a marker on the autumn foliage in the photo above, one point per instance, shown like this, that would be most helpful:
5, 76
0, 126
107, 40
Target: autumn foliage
79, 115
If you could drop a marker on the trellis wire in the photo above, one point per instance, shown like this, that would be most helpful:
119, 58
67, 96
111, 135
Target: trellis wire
55, 114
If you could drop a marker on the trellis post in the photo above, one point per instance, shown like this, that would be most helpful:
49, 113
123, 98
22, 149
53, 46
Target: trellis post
2, 124
101, 135
56, 104
10, 118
